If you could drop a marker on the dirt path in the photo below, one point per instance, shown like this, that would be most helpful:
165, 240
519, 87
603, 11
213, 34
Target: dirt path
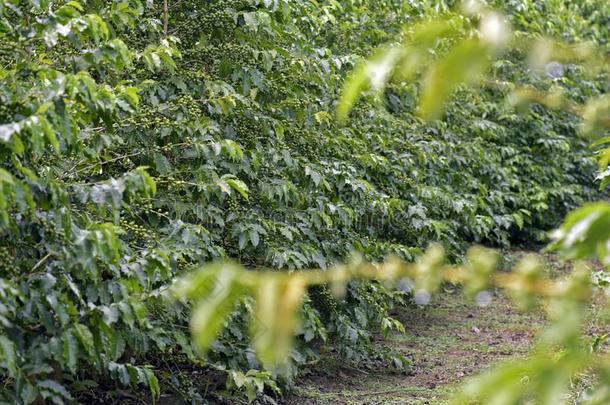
448, 340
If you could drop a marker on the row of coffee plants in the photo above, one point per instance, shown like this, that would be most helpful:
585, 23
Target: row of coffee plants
141, 139
466, 43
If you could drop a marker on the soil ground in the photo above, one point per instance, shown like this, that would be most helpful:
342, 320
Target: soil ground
447, 340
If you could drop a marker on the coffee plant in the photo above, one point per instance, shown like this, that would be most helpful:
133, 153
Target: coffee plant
561, 352
140, 140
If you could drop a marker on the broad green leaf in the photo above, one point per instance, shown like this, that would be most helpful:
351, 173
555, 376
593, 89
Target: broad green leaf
464, 64
371, 74
212, 310
276, 317
54, 387
584, 233
153, 383
9, 356
70, 350
85, 337
229, 182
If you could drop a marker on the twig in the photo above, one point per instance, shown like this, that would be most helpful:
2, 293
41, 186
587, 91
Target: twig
40, 262
36, 266
165, 16
175, 5
354, 369
73, 172
392, 391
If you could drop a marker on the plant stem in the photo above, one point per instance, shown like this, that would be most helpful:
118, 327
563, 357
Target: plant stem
165, 16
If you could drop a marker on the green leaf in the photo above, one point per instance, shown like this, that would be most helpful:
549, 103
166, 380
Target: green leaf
274, 326
70, 350
464, 64
162, 165
153, 383
9, 356
238, 186
212, 310
372, 74
85, 337
49, 132
54, 387
7, 131
254, 238
584, 233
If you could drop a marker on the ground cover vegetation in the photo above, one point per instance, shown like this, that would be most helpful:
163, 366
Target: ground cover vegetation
142, 139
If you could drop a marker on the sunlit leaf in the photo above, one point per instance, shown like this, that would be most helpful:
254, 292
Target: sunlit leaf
275, 319
464, 64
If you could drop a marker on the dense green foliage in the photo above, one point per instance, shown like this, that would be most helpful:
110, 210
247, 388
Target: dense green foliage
131, 155
466, 44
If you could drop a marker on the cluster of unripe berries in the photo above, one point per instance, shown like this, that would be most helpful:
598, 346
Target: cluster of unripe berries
300, 139
8, 266
172, 182
370, 300
197, 74
247, 129
6, 111
234, 53
233, 205
135, 230
204, 20
148, 118
187, 104
325, 300
219, 19
51, 232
